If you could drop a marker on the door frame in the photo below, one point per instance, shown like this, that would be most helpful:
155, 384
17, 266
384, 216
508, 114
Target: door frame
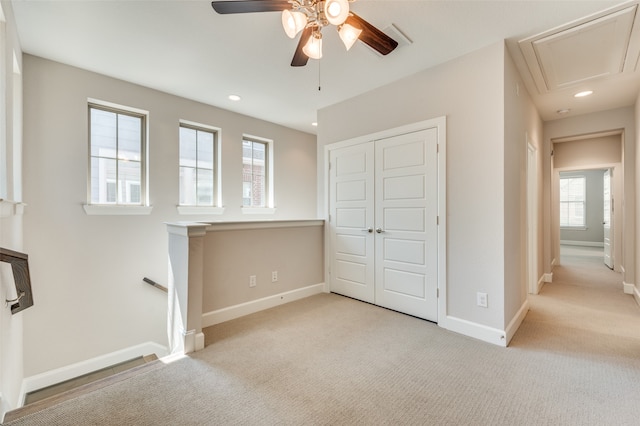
616, 169
532, 218
440, 123
612, 221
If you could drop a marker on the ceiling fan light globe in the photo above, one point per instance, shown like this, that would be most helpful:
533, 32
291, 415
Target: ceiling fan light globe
336, 11
313, 48
349, 35
293, 22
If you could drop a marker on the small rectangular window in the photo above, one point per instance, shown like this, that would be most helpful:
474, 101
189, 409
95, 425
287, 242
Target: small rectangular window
197, 166
573, 201
116, 146
255, 173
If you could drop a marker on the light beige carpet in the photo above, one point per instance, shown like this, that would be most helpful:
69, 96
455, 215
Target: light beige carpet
330, 360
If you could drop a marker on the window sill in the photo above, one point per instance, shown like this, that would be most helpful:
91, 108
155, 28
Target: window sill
258, 210
574, 228
199, 210
108, 210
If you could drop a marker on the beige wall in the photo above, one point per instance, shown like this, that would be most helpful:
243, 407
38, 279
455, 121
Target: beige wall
296, 253
87, 271
522, 126
469, 91
587, 152
612, 120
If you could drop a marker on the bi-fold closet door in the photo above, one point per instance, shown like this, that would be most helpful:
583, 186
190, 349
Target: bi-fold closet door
383, 213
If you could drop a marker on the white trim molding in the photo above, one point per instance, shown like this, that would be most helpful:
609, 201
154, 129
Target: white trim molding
517, 321
475, 330
540, 284
629, 288
58, 375
226, 314
582, 243
548, 277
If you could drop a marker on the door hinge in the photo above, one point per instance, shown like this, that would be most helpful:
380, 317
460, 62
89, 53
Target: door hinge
437, 148
329, 218
329, 165
437, 293
437, 220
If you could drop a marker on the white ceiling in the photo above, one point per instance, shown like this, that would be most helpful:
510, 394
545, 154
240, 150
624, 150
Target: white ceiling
183, 47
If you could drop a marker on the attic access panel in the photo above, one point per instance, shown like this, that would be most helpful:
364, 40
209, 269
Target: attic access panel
596, 47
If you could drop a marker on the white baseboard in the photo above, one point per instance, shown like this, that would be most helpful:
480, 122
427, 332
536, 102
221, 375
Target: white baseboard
554, 262
68, 372
236, 311
540, 284
475, 330
517, 320
582, 243
628, 288
548, 277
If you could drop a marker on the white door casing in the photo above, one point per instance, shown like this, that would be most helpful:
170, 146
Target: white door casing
607, 223
532, 218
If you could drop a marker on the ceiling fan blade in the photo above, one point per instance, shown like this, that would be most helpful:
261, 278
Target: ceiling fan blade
299, 58
249, 6
372, 36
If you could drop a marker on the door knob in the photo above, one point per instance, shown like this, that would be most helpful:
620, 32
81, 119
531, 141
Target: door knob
379, 230
369, 230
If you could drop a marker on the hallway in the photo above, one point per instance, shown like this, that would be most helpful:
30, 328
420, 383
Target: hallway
583, 311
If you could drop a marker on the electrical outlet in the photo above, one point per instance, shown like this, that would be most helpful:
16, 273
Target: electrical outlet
482, 300
274, 276
252, 281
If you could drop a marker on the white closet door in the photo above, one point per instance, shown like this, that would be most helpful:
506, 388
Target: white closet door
351, 221
406, 179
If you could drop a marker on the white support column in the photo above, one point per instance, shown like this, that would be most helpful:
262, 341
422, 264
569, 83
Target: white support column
186, 258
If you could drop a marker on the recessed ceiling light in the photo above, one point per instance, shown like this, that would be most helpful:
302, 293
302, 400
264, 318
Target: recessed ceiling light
563, 111
234, 97
583, 94
314, 124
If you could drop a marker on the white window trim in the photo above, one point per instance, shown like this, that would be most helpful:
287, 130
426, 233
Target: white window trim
217, 202
270, 205
120, 209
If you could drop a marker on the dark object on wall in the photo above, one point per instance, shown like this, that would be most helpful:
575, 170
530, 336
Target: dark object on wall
20, 267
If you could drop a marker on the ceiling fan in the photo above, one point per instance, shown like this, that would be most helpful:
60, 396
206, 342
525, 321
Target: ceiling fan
310, 17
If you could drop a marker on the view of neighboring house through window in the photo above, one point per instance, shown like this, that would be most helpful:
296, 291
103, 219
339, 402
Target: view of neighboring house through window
254, 173
117, 152
197, 174
573, 201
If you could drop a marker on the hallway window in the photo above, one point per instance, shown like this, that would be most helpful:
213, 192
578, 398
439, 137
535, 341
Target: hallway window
572, 201
197, 165
255, 173
117, 167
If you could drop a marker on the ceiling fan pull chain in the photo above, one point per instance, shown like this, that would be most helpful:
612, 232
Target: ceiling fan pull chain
319, 86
